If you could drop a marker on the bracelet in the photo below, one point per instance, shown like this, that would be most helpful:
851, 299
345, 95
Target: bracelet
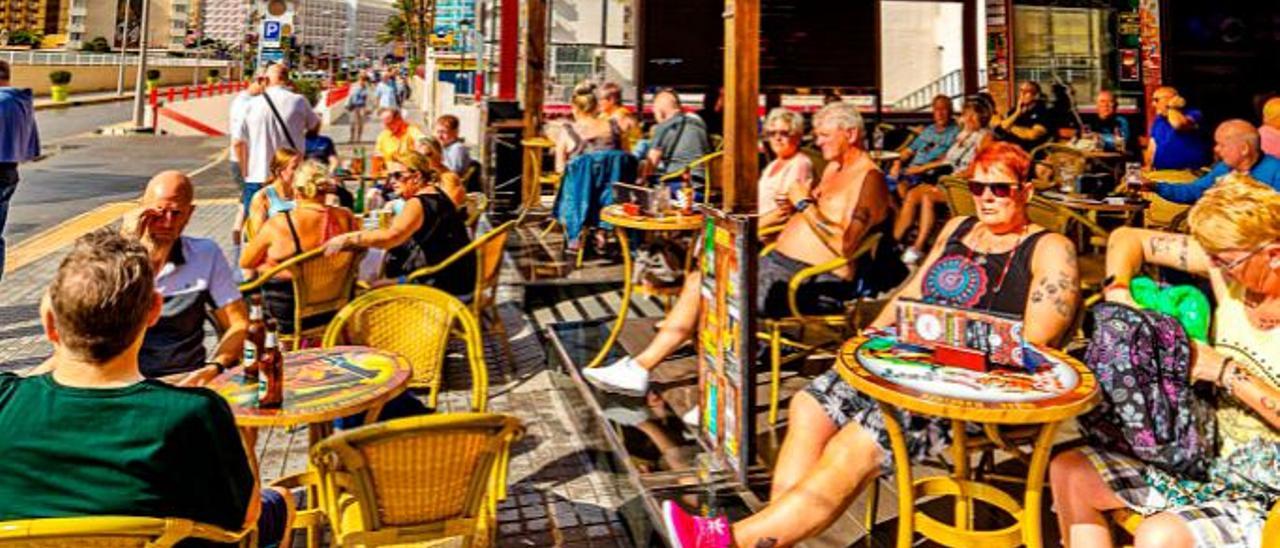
803, 204
221, 368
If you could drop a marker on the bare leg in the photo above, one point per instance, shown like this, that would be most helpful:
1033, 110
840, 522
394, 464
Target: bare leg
1163, 531
809, 431
906, 215
929, 196
816, 501
1080, 497
678, 327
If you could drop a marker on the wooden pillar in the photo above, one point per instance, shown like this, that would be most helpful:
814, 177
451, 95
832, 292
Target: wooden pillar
535, 68
969, 51
741, 102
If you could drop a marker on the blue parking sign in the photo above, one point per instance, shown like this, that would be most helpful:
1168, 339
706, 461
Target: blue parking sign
271, 31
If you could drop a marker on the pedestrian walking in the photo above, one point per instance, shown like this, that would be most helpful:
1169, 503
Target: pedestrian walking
357, 105
19, 142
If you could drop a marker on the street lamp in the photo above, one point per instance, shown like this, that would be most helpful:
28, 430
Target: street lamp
139, 92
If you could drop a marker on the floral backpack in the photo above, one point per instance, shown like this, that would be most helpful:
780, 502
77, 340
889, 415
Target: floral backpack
1150, 410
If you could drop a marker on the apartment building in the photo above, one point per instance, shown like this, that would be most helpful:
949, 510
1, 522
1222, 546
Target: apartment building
345, 28
169, 21
47, 17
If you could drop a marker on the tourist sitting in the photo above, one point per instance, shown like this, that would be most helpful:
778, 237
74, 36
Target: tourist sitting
1027, 124
783, 129
448, 181
427, 231
829, 221
397, 135
192, 275
974, 135
1270, 128
588, 151
277, 196
456, 155
307, 226
92, 436
1238, 144
837, 440
321, 149
925, 149
1235, 243
678, 140
1175, 141
611, 108
1110, 128
587, 132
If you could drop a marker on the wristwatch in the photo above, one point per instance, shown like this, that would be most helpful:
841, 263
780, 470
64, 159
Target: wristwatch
803, 204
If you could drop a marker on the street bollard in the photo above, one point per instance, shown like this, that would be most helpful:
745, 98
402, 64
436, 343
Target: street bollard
186, 92
169, 95
155, 97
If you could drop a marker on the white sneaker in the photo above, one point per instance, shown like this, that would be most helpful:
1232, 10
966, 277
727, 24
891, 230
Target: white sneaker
911, 256
692, 418
624, 376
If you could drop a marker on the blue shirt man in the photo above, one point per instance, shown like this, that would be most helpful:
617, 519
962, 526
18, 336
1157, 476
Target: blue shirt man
1111, 128
387, 93
19, 142
1239, 145
930, 146
1175, 133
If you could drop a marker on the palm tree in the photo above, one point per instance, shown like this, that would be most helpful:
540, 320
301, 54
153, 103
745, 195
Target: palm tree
411, 25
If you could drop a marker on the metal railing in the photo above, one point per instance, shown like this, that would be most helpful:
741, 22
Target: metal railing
950, 84
71, 58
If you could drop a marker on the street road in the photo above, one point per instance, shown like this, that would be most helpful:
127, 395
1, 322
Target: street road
60, 123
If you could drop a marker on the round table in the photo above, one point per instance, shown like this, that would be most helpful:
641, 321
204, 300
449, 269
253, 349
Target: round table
926, 389
320, 385
1129, 207
621, 221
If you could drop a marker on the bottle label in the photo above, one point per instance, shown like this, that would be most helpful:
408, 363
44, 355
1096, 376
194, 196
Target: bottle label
272, 340
250, 354
255, 312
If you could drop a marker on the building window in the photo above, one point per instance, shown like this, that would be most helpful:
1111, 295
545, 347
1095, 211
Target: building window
573, 64
1070, 44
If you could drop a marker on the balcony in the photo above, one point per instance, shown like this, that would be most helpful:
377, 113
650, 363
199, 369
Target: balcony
79, 11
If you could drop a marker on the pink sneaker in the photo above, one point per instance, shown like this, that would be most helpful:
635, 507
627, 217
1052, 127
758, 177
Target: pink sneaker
688, 531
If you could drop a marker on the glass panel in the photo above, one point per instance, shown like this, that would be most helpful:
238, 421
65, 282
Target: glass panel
921, 53
1070, 44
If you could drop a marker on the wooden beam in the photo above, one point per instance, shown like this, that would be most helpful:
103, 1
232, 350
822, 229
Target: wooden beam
535, 67
741, 101
969, 50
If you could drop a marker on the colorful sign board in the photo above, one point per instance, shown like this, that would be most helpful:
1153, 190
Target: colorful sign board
726, 338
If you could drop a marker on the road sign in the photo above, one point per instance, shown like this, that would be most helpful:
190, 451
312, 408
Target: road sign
271, 32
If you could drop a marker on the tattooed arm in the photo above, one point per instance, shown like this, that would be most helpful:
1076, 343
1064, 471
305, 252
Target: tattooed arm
1130, 248
1055, 290
1211, 366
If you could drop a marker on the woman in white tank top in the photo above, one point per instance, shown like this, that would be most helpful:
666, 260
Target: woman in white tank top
782, 129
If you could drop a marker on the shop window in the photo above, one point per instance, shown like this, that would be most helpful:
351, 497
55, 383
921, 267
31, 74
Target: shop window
1071, 45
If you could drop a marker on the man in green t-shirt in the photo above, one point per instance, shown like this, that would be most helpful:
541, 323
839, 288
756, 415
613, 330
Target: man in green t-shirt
94, 437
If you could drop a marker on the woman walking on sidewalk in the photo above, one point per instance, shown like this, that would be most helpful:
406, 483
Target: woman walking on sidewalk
356, 107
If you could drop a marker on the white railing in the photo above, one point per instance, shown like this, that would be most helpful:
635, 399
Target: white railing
154, 59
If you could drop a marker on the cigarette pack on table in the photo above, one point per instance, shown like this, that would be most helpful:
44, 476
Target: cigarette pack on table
999, 336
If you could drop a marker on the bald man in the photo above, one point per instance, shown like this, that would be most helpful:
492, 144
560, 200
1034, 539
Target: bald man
1238, 144
193, 276
1175, 141
1270, 129
678, 139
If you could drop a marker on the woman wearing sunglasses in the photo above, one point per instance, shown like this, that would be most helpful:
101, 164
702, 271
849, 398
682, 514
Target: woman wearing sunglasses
997, 261
782, 130
1235, 242
428, 230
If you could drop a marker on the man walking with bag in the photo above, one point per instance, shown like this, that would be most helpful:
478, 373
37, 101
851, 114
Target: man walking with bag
278, 118
19, 142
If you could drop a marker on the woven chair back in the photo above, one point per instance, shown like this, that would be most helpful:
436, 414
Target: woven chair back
959, 199
324, 284
110, 532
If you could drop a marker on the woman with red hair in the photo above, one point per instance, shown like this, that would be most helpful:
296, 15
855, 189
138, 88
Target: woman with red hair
996, 261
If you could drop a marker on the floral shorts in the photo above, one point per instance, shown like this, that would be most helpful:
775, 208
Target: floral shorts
926, 436
1228, 510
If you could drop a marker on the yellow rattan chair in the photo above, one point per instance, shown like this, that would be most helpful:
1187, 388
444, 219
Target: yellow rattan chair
415, 321
815, 332
1057, 156
477, 205
959, 199
417, 479
1064, 220
321, 285
488, 251
114, 531
712, 162
1163, 214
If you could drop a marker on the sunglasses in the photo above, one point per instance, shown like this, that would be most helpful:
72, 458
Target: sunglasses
1229, 266
999, 190
777, 134
397, 176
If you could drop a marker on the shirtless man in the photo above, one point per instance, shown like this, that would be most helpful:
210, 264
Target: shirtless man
829, 221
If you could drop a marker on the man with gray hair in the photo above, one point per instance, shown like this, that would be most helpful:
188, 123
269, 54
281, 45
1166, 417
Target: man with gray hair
678, 139
828, 221
19, 142
1239, 146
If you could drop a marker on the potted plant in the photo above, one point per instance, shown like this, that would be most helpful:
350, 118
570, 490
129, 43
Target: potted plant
153, 79
213, 77
60, 79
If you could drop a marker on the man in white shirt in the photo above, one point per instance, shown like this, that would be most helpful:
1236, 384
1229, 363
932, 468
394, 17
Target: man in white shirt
265, 129
239, 106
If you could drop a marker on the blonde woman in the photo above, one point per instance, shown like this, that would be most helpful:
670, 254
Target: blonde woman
449, 182
586, 133
277, 196
308, 225
1235, 242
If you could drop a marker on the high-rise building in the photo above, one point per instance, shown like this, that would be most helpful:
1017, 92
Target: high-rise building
47, 17
225, 20
167, 25
346, 28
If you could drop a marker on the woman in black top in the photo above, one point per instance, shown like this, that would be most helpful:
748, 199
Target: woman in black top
429, 230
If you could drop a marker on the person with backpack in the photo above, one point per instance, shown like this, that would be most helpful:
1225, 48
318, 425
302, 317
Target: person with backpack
357, 104
1235, 243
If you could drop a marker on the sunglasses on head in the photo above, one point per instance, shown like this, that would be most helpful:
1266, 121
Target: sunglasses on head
999, 190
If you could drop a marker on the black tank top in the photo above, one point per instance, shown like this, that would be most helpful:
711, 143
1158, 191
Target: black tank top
965, 278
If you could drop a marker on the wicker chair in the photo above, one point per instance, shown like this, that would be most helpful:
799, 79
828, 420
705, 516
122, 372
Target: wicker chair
1062, 220
712, 161
417, 479
1163, 214
114, 531
959, 199
477, 205
322, 285
1057, 156
415, 321
816, 332
488, 250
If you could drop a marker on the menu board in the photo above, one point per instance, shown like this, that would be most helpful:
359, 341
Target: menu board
726, 338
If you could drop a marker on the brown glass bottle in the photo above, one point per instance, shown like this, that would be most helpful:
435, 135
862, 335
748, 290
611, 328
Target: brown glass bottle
254, 339
271, 371
686, 193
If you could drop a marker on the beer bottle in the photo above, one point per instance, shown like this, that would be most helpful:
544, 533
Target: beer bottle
254, 338
271, 386
686, 193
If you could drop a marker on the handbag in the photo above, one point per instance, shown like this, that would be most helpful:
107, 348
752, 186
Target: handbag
1150, 409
